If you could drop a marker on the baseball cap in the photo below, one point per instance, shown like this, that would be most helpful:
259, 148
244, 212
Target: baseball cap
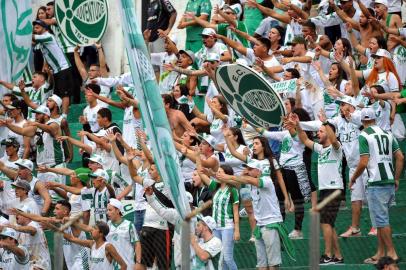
347, 100
213, 57
10, 141
189, 53
368, 114
382, 2
22, 184
297, 40
100, 173
26, 164
209, 221
56, 99
208, 32
117, 204
96, 158
40, 22
83, 174
209, 139
16, 104
236, 9
382, 53
42, 109
8, 232
254, 164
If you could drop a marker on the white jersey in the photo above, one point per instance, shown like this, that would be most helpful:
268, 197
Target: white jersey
383, 115
110, 161
380, 146
49, 150
9, 261
272, 62
130, 124
37, 246
123, 237
98, 258
76, 256
138, 190
99, 200
7, 193
329, 166
151, 218
187, 168
216, 128
291, 148
34, 194
232, 161
387, 80
213, 247
167, 78
91, 117
28, 203
38, 96
52, 53
75, 202
399, 59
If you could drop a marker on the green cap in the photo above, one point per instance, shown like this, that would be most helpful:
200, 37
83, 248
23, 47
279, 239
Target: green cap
83, 174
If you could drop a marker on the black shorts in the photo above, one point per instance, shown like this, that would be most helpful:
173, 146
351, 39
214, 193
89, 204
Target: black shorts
328, 214
155, 243
63, 83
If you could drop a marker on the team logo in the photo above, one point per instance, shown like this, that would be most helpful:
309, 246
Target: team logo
82, 22
250, 95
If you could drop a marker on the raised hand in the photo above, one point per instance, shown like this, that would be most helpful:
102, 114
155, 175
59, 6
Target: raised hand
322, 116
110, 136
147, 34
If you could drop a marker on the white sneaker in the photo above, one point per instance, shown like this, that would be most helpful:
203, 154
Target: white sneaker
373, 232
252, 239
351, 232
295, 234
243, 213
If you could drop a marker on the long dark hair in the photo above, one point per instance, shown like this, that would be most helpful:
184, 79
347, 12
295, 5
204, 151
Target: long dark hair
347, 47
340, 76
223, 102
43, 8
268, 154
237, 132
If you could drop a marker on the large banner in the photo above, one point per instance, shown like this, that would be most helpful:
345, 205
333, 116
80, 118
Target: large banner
152, 108
82, 22
250, 95
15, 38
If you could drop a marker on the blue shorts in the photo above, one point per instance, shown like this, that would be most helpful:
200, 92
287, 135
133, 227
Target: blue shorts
379, 201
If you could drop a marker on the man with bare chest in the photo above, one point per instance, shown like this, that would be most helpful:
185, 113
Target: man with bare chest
177, 120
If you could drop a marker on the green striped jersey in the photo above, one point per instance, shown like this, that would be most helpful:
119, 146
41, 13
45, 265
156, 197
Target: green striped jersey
63, 42
38, 96
223, 202
100, 201
380, 146
51, 51
213, 247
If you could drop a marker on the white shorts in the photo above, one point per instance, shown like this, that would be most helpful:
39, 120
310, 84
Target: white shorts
358, 189
268, 248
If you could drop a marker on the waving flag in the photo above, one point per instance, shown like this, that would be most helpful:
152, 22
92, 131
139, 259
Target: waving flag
152, 108
15, 38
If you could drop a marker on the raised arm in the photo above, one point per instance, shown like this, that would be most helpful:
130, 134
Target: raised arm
102, 60
79, 64
110, 249
344, 16
77, 143
81, 242
43, 192
354, 41
233, 44
269, 12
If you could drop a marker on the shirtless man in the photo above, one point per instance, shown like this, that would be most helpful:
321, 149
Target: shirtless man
381, 11
368, 28
177, 120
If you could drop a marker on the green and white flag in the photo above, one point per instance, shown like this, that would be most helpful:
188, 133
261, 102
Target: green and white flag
152, 108
15, 38
284, 87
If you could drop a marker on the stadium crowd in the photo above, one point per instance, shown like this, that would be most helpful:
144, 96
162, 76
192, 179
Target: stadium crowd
348, 60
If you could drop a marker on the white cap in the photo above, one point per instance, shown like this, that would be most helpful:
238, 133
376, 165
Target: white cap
188, 53
56, 99
213, 57
347, 100
100, 173
8, 232
382, 2
96, 158
236, 8
26, 164
368, 114
209, 221
209, 139
382, 53
117, 204
42, 109
208, 32
254, 164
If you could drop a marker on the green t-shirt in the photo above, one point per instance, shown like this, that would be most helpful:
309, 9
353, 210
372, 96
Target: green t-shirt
198, 7
401, 108
252, 18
